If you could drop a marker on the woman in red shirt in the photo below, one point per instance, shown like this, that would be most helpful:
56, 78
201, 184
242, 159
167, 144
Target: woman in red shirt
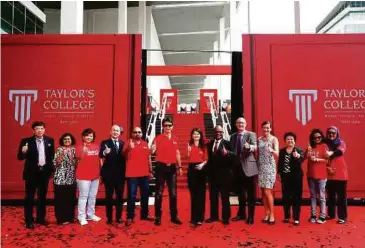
198, 156
337, 176
317, 174
87, 176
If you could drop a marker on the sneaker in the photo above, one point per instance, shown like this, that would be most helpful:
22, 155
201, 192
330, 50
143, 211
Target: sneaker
312, 219
94, 218
321, 220
341, 221
83, 222
296, 223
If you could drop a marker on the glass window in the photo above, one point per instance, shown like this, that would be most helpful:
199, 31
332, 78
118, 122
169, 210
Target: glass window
19, 6
29, 26
19, 20
39, 30
17, 31
6, 27
7, 11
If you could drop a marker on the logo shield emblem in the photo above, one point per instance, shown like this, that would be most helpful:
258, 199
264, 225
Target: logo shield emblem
23, 100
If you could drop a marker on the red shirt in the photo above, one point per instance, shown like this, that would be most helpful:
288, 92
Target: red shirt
166, 149
197, 154
88, 167
339, 165
317, 170
138, 160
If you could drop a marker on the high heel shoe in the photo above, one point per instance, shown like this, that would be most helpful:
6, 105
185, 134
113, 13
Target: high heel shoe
265, 220
271, 222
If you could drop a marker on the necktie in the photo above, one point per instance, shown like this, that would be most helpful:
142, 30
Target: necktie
215, 147
239, 144
116, 144
41, 155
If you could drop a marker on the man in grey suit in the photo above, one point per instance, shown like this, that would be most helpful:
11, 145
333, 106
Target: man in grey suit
244, 144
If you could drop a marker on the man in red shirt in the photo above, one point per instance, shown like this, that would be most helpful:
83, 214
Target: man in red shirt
168, 163
138, 171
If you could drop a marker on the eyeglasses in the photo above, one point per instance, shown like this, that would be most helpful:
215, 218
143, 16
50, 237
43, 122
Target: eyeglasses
137, 131
167, 125
317, 137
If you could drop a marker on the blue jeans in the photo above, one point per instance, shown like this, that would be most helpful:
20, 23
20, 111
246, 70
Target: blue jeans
318, 187
133, 183
87, 194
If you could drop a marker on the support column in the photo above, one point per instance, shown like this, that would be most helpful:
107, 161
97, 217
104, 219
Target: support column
72, 17
222, 33
297, 17
142, 21
122, 17
233, 22
216, 53
244, 17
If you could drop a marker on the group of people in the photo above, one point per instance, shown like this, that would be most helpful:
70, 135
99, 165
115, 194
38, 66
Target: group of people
236, 164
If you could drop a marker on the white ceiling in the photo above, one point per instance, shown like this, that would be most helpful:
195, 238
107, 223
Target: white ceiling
185, 30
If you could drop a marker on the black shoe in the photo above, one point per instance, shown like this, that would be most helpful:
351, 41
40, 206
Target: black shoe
119, 221
211, 220
330, 217
109, 222
265, 221
198, 223
128, 222
238, 217
176, 221
42, 222
157, 222
225, 222
286, 221
148, 218
29, 226
296, 223
249, 221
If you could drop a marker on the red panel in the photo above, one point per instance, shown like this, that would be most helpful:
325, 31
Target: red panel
183, 70
73, 77
204, 99
331, 69
171, 103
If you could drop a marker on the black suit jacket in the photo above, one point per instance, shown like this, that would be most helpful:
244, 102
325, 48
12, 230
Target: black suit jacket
219, 167
31, 157
113, 169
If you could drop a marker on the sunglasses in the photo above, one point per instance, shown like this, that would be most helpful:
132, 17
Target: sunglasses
317, 137
167, 125
137, 132
334, 133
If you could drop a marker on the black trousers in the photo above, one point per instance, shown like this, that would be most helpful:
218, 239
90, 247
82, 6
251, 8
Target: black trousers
114, 186
64, 202
246, 191
38, 184
166, 173
292, 190
337, 196
221, 187
197, 189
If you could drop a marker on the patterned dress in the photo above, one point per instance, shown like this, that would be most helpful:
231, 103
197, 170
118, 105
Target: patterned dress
267, 165
65, 171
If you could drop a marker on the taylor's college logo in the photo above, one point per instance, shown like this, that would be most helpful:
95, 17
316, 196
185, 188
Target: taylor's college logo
23, 100
303, 100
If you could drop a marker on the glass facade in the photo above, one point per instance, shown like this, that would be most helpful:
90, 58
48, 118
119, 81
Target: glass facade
17, 19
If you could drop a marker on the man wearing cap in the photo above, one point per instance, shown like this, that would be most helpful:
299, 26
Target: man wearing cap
113, 172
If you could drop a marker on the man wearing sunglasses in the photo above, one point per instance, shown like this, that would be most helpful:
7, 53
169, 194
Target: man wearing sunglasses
113, 172
168, 164
138, 172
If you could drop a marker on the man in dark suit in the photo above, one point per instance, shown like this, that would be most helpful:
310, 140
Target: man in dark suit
245, 167
113, 172
38, 152
219, 175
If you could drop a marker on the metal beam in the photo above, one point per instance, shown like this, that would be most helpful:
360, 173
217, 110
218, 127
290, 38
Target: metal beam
185, 70
191, 33
189, 5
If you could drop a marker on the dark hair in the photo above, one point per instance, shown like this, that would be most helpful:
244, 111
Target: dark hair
73, 140
88, 131
266, 123
38, 124
201, 140
290, 134
167, 119
311, 136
